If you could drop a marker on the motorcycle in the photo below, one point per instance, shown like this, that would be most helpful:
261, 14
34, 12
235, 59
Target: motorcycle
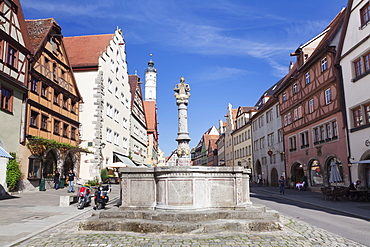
84, 196
101, 196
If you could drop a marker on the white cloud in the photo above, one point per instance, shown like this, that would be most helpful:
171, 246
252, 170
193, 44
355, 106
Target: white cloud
217, 74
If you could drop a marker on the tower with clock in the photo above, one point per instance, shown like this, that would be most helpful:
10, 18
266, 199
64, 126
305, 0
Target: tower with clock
151, 81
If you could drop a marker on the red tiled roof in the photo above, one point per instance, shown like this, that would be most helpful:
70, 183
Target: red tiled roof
38, 30
208, 138
84, 51
134, 81
150, 115
213, 143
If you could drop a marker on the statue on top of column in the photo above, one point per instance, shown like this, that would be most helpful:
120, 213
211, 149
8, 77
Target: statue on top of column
182, 90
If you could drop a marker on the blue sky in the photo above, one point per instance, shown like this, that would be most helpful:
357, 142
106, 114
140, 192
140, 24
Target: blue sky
229, 51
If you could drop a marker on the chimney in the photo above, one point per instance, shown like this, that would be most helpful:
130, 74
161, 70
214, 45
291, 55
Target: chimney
290, 65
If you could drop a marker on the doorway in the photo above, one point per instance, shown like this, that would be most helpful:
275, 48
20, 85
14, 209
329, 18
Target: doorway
274, 178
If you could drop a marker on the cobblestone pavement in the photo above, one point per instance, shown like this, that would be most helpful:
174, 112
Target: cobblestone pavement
295, 233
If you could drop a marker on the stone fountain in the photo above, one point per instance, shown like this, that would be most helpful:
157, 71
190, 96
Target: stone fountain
183, 198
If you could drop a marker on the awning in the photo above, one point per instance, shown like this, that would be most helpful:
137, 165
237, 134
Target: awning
125, 160
361, 162
4, 153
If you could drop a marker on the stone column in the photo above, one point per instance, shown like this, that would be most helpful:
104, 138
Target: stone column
183, 150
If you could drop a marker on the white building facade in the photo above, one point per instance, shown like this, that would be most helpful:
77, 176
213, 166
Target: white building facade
268, 145
242, 138
105, 89
230, 127
355, 64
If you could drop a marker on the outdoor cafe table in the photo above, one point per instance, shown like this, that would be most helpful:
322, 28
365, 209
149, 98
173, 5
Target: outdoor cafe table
359, 195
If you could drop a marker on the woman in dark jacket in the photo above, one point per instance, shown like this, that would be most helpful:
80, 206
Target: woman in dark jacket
56, 179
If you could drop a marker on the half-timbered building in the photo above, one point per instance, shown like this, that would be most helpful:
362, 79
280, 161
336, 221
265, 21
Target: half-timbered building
14, 55
52, 109
311, 109
138, 129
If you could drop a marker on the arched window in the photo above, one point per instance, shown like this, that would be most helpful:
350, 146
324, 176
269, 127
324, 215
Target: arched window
316, 175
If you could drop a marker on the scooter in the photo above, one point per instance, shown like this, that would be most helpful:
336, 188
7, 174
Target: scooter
84, 197
101, 196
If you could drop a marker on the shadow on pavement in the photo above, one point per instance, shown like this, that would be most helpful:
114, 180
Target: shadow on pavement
6, 197
335, 207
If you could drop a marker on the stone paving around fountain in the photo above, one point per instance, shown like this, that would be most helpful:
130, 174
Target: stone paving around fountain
295, 233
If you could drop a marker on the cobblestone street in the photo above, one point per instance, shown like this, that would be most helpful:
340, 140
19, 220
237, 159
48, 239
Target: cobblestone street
295, 233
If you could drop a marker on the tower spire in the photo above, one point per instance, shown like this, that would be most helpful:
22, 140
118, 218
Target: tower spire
151, 81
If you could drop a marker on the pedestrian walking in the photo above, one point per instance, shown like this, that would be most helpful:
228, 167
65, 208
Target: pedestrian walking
56, 179
259, 180
282, 185
71, 179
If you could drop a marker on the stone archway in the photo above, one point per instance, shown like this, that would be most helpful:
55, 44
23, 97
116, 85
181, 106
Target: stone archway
258, 170
49, 165
297, 173
69, 163
274, 178
364, 172
328, 170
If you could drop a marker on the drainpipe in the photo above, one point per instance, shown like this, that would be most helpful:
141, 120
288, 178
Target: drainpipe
344, 111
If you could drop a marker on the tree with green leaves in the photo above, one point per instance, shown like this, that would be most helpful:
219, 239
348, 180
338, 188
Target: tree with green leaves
104, 175
13, 173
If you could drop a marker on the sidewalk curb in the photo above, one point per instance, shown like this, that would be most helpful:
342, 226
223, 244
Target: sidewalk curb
313, 204
47, 228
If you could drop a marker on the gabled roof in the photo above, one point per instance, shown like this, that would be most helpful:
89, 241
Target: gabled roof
84, 51
38, 30
134, 81
333, 28
234, 113
327, 35
150, 115
268, 96
245, 109
210, 138
212, 144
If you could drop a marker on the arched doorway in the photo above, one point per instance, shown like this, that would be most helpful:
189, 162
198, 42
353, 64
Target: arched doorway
364, 172
328, 168
258, 170
297, 173
49, 165
68, 164
316, 173
274, 178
